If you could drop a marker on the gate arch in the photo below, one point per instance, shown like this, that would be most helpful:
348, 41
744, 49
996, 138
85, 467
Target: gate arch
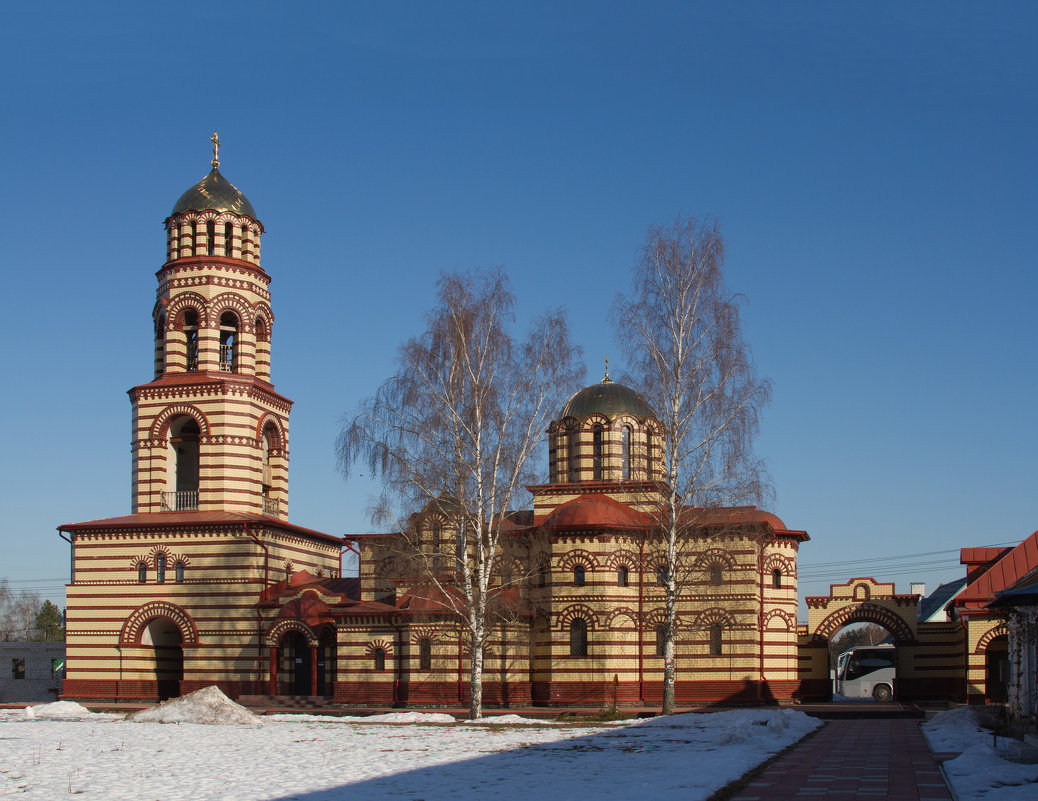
866, 612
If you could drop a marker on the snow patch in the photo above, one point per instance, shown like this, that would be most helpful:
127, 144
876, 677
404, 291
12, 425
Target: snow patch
388, 717
208, 705
512, 720
980, 771
63, 710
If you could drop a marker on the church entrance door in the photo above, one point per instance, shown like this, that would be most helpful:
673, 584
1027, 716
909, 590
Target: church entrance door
163, 635
296, 664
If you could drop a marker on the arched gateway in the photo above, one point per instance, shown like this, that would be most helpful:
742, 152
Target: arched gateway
929, 654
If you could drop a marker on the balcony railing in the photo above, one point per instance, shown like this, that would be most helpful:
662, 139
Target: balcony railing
182, 501
227, 358
272, 507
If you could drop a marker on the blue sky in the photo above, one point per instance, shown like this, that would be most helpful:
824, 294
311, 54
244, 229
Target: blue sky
873, 168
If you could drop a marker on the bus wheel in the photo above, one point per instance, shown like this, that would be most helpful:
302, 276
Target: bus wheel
882, 693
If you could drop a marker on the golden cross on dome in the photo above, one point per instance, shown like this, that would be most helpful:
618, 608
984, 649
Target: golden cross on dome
607, 379
215, 139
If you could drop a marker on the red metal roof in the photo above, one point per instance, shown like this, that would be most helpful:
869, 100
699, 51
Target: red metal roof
596, 511
981, 556
1014, 565
198, 518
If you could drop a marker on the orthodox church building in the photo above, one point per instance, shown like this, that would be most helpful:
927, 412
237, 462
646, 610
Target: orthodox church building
206, 581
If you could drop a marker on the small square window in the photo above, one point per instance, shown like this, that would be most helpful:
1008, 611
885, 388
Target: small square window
17, 668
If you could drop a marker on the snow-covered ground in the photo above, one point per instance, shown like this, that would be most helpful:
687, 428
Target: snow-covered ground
67, 750
981, 770
169, 753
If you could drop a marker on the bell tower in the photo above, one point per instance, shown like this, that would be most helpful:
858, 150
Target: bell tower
210, 433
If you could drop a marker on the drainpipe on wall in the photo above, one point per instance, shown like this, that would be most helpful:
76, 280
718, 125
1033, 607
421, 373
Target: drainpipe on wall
349, 546
461, 669
259, 614
399, 661
641, 632
72, 557
760, 619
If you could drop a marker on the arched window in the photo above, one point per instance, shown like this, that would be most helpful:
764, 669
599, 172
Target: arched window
142, 573
662, 575
578, 637
715, 639
194, 237
210, 238
182, 461
596, 444
661, 639
191, 338
776, 579
178, 572
229, 342
579, 577
716, 575
228, 234
622, 576
436, 545
625, 452
574, 458
542, 575
648, 455
425, 654
380, 659
160, 346
160, 568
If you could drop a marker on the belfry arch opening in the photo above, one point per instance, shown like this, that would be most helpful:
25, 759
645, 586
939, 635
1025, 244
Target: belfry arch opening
163, 639
190, 329
182, 465
229, 342
271, 468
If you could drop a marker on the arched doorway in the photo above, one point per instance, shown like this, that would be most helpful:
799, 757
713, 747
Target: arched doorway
996, 670
163, 636
296, 665
863, 662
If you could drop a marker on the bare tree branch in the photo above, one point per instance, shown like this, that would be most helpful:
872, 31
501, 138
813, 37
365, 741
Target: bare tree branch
453, 432
681, 332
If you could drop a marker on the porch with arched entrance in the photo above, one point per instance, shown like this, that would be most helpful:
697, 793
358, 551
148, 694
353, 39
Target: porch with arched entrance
302, 661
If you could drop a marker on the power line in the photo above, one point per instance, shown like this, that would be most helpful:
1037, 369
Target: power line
900, 558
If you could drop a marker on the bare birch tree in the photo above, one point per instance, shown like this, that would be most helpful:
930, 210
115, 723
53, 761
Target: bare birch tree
455, 429
681, 331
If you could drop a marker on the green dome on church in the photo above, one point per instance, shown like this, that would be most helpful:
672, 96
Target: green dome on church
214, 192
609, 399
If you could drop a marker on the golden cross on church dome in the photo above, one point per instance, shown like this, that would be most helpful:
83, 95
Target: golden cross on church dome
607, 379
215, 139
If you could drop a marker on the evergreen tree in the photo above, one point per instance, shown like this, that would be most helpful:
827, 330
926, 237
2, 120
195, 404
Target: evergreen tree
48, 625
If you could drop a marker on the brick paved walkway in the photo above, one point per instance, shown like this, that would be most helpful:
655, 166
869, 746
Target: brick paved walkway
854, 759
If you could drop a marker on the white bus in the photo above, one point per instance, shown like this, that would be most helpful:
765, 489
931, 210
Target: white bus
868, 671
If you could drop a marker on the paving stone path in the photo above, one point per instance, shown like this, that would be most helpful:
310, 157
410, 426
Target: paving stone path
852, 760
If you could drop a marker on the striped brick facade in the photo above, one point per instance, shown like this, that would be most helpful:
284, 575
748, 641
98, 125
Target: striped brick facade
587, 552
165, 600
